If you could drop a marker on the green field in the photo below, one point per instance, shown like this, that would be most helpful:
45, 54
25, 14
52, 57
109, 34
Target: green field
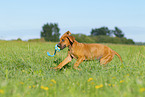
25, 71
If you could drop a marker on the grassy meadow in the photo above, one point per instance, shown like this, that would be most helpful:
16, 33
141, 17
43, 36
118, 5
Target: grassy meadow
25, 71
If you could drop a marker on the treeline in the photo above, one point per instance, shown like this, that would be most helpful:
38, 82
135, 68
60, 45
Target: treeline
140, 43
50, 32
102, 39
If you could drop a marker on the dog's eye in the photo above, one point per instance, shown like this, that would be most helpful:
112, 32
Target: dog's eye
62, 40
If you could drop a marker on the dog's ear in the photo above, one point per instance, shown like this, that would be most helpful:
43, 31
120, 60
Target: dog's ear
66, 34
71, 39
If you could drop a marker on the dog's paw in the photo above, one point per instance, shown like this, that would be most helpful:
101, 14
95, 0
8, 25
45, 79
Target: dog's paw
56, 68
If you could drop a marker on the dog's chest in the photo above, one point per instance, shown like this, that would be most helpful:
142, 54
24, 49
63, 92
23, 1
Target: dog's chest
73, 53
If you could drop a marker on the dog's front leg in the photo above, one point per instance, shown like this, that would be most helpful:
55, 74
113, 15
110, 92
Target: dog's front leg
79, 60
64, 62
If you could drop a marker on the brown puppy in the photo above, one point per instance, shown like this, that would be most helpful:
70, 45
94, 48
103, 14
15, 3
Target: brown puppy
81, 51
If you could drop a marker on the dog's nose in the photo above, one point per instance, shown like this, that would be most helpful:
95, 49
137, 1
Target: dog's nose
58, 45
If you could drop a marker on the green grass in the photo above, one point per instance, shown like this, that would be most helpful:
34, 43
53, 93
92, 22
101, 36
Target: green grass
25, 71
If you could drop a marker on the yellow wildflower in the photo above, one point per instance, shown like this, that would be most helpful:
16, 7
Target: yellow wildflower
127, 75
23, 70
92, 83
51, 84
113, 77
29, 86
34, 86
142, 90
53, 81
21, 83
1, 91
109, 84
90, 79
121, 81
99, 86
45, 88
29, 79
113, 85
42, 87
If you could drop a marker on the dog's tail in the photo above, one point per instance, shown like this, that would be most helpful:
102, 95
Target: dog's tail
118, 56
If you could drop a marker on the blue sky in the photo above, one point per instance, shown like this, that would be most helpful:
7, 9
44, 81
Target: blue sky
24, 19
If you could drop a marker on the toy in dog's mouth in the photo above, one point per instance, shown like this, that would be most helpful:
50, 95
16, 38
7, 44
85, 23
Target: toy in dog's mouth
56, 49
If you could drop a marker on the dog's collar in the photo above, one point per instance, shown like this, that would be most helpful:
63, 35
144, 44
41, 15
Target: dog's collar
71, 43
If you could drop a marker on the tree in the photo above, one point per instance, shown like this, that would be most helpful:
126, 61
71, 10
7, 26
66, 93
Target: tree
118, 33
50, 32
101, 31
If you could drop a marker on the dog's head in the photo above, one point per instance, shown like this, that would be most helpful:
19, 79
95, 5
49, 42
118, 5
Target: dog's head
66, 40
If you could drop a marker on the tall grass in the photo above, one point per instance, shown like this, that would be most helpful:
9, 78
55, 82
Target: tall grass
25, 71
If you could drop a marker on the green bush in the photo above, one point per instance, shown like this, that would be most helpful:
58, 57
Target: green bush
101, 39
36, 40
83, 38
19, 39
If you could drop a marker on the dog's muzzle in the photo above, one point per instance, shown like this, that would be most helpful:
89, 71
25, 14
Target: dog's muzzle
61, 46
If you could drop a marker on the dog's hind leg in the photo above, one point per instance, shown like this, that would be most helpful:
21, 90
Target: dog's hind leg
106, 59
